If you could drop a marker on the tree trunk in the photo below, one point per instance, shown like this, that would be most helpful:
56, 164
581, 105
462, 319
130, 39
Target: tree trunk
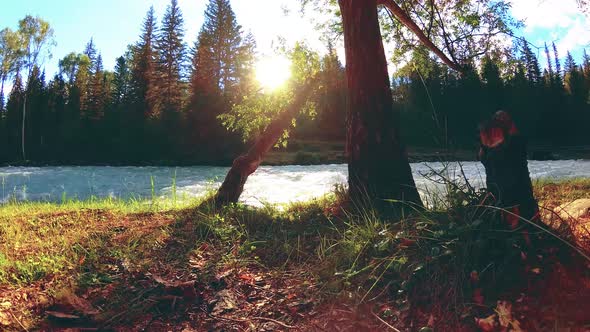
3, 79
23, 125
503, 154
377, 161
246, 164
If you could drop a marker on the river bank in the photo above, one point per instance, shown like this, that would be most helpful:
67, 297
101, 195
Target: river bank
305, 152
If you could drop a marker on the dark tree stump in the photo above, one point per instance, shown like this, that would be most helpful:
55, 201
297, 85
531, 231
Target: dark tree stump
503, 154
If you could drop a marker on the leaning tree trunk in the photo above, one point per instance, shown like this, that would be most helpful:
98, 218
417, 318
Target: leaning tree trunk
377, 161
233, 185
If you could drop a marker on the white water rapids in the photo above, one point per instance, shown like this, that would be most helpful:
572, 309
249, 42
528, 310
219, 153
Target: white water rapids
269, 184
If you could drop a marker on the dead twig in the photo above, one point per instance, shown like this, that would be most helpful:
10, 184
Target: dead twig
385, 323
18, 321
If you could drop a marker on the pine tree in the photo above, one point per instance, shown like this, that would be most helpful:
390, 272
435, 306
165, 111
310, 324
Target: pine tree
222, 57
56, 120
558, 72
493, 84
574, 84
121, 83
586, 64
550, 75
586, 71
222, 74
36, 119
532, 69
144, 95
97, 92
14, 117
91, 52
171, 59
332, 101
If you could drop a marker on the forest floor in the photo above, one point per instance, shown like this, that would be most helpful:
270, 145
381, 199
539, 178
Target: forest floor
145, 266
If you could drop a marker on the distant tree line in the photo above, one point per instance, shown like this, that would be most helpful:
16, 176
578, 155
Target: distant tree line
160, 104
165, 101
551, 105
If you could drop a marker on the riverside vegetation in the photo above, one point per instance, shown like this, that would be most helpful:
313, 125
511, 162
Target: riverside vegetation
161, 265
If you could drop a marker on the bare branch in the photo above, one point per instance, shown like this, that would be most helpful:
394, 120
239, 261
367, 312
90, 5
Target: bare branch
406, 20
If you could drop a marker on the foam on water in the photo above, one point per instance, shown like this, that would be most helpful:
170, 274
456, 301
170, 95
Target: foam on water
271, 184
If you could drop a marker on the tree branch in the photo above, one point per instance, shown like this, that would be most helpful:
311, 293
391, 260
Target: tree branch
410, 24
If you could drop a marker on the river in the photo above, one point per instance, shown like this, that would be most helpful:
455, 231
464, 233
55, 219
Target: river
270, 184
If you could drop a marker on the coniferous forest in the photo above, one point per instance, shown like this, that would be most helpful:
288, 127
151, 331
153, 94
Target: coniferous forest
165, 100
365, 241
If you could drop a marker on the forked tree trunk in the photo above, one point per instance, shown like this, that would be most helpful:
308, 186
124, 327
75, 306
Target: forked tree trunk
246, 164
377, 162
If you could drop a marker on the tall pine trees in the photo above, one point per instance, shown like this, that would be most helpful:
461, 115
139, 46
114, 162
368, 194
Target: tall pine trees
222, 65
171, 56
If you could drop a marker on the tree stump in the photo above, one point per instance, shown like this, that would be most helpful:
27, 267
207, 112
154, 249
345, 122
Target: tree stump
503, 154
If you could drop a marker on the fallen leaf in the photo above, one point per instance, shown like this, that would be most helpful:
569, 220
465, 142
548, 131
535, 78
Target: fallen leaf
246, 277
504, 310
224, 301
486, 324
4, 319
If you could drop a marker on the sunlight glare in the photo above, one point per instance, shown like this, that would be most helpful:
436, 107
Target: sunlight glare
273, 72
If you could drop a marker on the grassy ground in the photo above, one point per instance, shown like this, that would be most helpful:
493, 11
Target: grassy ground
158, 266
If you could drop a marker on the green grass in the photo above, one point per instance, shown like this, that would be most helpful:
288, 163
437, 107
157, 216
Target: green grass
78, 245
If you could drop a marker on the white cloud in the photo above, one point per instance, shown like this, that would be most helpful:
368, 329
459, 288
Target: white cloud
559, 21
546, 13
577, 36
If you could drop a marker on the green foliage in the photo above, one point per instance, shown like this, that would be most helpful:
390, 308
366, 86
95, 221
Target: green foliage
71, 64
255, 112
465, 30
10, 53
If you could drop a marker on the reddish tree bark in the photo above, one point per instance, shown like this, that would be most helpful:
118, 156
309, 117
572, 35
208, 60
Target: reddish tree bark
377, 162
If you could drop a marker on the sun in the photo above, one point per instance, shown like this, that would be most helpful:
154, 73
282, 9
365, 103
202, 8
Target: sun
272, 72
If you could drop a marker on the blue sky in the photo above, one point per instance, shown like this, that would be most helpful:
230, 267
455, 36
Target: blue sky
116, 23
